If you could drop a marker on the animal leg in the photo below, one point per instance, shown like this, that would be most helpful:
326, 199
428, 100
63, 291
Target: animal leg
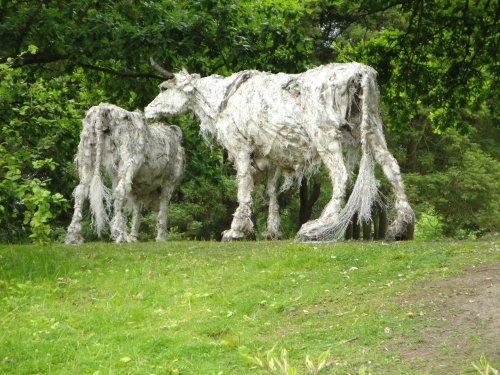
330, 151
273, 219
161, 222
74, 235
118, 223
390, 167
136, 221
242, 225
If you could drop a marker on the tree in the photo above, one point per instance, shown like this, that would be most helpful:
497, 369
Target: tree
461, 185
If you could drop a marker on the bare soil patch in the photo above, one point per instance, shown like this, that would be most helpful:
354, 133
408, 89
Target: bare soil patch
462, 322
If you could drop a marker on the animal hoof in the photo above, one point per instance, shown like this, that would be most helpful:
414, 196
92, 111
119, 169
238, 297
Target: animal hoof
73, 240
232, 235
315, 230
121, 238
306, 238
397, 231
310, 225
308, 235
400, 228
271, 235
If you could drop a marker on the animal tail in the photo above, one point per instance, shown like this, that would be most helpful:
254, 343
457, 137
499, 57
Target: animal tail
365, 193
98, 192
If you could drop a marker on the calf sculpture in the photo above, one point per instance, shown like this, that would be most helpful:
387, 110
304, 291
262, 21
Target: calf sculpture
291, 123
144, 163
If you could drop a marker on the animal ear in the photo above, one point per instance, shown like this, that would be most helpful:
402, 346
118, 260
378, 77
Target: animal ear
188, 88
184, 70
190, 82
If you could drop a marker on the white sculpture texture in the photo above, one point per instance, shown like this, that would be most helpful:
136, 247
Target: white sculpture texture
291, 123
144, 163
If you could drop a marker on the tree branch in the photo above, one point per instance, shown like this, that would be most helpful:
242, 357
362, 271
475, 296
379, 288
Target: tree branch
46, 57
381, 9
316, 190
330, 19
121, 74
38, 58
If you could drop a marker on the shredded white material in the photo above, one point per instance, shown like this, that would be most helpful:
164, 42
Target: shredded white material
292, 123
143, 162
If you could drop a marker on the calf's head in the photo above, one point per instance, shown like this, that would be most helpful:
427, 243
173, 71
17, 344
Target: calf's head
175, 94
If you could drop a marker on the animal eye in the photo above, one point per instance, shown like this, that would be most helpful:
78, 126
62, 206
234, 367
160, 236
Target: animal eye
163, 89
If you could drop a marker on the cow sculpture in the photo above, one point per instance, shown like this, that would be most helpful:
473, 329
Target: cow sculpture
291, 123
144, 163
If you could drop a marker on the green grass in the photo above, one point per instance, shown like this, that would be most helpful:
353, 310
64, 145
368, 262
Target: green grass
190, 307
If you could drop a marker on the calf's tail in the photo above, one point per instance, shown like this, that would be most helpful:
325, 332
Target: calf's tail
98, 192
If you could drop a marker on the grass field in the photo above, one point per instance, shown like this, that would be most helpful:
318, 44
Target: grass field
195, 307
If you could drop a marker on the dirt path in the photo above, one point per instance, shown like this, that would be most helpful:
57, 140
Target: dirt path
463, 322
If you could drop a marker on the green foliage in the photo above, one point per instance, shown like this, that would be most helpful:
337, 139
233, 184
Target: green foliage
314, 366
35, 113
207, 194
272, 35
429, 226
484, 367
364, 371
436, 55
271, 364
462, 187
281, 366
25, 201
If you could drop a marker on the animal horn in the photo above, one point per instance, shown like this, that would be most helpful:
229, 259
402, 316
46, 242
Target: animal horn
164, 72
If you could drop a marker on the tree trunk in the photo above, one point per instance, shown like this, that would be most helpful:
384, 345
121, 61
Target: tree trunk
355, 227
382, 225
411, 155
376, 219
410, 229
419, 124
348, 232
367, 229
307, 200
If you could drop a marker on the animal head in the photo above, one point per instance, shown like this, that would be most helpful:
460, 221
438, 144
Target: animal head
175, 93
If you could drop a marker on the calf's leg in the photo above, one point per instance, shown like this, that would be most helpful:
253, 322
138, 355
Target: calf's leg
118, 224
74, 235
161, 222
85, 171
273, 219
121, 192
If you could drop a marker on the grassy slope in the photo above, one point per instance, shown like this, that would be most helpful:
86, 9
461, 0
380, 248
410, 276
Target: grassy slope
191, 306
